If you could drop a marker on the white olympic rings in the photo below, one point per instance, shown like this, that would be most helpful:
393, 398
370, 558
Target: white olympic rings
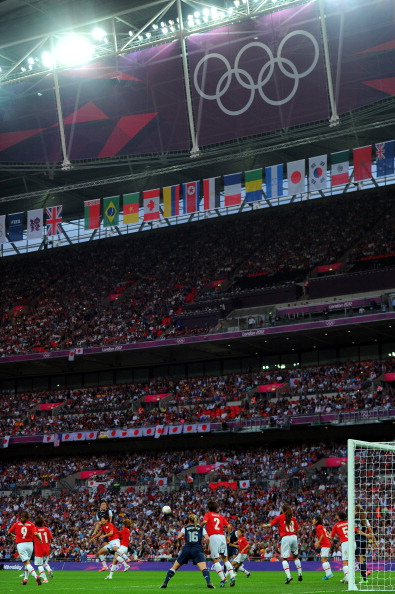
245, 79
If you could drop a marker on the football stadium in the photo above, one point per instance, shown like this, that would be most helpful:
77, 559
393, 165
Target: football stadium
197, 264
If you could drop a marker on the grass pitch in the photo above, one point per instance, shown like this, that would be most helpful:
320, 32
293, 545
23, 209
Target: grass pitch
184, 582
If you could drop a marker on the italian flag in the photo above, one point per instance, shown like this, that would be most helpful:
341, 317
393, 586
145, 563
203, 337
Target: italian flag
131, 203
92, 214
339, 171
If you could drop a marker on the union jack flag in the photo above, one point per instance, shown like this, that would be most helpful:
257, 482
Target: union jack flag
54, 219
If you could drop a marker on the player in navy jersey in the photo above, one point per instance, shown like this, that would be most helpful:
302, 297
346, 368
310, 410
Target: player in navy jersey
192, 550
362, 537
103, 512
232, 550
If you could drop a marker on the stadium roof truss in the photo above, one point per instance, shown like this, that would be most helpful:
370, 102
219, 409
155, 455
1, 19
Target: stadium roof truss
130, 27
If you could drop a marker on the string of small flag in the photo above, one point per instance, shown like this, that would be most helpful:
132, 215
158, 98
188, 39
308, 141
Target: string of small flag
190, 197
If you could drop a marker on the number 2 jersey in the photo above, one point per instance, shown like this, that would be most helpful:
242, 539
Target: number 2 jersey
41, 547
24, 532
285, 529
215, 523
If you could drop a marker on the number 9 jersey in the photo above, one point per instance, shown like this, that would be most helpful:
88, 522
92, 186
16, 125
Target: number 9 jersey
24, 532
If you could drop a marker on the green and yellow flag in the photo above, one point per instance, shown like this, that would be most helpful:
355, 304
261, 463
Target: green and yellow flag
111, 211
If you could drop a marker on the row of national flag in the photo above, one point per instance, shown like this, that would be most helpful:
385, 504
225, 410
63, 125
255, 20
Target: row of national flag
190, 197
155, 432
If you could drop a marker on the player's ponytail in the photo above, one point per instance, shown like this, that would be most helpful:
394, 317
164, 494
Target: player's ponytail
193, 519
361, 515
24, 517
287, 511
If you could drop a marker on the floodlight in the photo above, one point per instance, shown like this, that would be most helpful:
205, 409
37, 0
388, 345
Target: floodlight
73, 50
98, 34
47, 60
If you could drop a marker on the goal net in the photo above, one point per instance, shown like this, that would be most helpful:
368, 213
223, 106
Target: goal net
371, 509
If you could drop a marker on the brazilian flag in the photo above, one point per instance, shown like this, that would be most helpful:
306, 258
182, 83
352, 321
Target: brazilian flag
110, 211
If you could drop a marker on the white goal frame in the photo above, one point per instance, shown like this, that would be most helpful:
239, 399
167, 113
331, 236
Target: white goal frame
352, 445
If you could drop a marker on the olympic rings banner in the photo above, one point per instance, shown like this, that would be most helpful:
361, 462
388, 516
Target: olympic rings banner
260, 75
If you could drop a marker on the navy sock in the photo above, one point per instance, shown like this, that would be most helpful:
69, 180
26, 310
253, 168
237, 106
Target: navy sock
206, 575
169, 575
363, 569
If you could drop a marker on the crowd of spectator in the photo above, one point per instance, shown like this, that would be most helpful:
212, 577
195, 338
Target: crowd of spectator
70, 515
340, 387
135, 287
295, 474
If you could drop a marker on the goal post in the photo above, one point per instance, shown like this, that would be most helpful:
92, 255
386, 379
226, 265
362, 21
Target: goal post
371, 508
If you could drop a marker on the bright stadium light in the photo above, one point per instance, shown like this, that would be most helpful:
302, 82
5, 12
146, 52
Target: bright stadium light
47, 60
99, 34
73, 50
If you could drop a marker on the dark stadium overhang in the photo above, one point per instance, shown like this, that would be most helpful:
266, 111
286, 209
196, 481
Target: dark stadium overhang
256, 343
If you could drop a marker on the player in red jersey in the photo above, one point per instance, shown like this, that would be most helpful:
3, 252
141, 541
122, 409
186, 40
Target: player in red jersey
340, 530
24, 531
121, 552
42, 548
243, 547
323, 542
107, 530
288, 526
216, 526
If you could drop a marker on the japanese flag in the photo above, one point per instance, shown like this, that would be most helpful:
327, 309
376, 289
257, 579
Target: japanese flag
80, 436
91, 435
203, 428
244, 484
135, 432
68, 437
6, 441
190, 428
296, 177
161, 482
49, 438
148, 431
160, 430
175, 429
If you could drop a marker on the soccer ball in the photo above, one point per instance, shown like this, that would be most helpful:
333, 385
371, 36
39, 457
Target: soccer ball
166, 509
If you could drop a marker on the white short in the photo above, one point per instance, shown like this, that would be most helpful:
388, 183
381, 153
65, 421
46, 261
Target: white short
25, 550
289, 544
110, 545
240, 558
121, 550
40, 560
217, 546
345, 551
325, 551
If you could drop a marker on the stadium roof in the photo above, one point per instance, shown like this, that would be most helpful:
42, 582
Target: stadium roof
24, 186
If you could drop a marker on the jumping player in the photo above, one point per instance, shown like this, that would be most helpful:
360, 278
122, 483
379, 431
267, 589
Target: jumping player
107, 530
323, 542
288, 526
216, 525
24, 531
103, 512
121, 552
42, 548
193, 534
